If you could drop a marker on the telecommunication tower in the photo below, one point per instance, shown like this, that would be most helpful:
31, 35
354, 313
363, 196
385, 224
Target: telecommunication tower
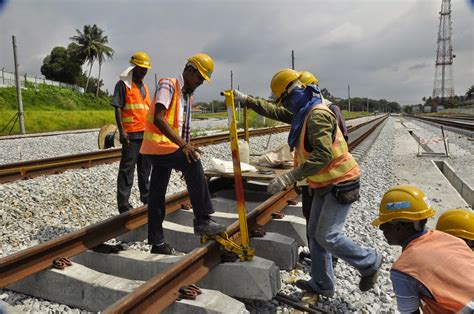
443, 80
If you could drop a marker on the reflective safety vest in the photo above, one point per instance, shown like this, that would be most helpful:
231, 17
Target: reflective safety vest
135, 109
444, 264
342, 167
154, 141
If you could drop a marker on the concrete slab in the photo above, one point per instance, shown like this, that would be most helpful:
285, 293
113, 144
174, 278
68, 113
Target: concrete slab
258, 279
6, 308
422, 172
209, 302
290, 226
77, 286
276, 247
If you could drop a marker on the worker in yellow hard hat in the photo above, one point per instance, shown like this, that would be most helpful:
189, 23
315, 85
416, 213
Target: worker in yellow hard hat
459, 223
323, 159
131, 100
167, 145
432, 270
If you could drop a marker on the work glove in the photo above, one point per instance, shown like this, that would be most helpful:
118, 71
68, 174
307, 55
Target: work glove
239, 96
279, 183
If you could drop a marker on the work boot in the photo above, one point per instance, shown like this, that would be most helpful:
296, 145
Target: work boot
163, 248
367, 282
125, 208
306, 286
208, 226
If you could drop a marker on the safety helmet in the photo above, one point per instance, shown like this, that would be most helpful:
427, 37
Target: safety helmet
141, 59
457, 222
404, 202
204, 64
281, 81
307, 78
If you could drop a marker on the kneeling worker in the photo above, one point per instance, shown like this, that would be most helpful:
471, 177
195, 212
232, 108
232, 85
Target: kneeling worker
459, 223
167, 145
435, 270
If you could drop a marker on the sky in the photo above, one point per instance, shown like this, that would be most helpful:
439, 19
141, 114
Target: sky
383, 49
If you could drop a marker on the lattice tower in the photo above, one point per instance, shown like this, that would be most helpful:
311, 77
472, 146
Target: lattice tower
443, 80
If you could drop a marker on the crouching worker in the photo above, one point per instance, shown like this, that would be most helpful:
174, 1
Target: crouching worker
167, 145
435, 271
459, 223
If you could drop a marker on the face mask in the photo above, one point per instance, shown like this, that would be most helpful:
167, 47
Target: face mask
298, 98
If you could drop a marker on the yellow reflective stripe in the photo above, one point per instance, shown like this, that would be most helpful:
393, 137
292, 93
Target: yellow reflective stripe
150, 118
135, 106
338, 150
155, 137
127, 119
334, 173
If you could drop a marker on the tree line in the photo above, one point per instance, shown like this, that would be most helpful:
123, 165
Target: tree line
64, 64
452, 102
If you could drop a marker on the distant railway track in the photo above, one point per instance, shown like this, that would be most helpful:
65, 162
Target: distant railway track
462, 123
33, 168
160, 291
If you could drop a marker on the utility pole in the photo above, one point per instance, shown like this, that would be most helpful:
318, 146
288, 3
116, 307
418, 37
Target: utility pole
18, 90
156, 80
367, 104
293, 59
349, 96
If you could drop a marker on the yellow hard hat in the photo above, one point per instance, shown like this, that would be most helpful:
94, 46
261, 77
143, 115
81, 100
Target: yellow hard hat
404, 202
204, 64
141, 59
457, 222
281, 81
307, 78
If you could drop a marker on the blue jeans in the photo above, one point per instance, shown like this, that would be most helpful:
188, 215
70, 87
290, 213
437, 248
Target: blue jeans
326, 238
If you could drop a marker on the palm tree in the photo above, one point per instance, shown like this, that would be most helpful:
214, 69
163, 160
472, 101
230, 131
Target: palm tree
92, 46
103, 53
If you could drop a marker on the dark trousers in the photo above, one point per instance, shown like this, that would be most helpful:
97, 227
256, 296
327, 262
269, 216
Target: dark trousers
196, 185
306, 200
130, 157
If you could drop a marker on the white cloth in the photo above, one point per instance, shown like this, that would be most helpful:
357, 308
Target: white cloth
126, 76
228, 166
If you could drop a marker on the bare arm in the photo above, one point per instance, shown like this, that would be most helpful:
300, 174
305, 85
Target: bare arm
118, 119
191, 152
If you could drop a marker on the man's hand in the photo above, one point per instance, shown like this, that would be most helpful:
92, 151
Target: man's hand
124, 139
239, 96
192, 153
279, 183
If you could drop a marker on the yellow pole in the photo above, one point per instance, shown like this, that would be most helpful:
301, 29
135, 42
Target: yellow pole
239, 187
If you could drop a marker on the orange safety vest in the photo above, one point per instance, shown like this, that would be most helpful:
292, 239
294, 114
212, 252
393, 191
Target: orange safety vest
154, 141
342, 167
135, 109
444, 264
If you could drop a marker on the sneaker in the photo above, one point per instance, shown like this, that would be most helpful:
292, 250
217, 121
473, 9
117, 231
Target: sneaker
306, 286
368, 282
209, 227
164, 248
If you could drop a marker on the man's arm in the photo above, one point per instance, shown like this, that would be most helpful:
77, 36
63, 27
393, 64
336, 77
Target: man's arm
118, 102
407, 291
320, 127
191, 152
269, 110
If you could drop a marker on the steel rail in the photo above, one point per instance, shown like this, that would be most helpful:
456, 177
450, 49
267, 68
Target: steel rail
445, 121
162, 290
40, 257
33, 168
29, 261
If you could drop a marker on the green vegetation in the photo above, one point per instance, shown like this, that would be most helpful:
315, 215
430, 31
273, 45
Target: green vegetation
50, 108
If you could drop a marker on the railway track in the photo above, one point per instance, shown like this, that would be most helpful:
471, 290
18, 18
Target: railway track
464, 124
162, 289
33, 168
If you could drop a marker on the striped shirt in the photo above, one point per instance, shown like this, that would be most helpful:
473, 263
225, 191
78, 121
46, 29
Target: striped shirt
164, 95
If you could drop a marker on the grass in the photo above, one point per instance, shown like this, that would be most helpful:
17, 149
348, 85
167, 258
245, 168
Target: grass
59, 120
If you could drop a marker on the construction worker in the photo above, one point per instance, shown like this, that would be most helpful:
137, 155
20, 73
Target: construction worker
308, 78
131, 100
167, 145
322, 157
459, 223
435, 270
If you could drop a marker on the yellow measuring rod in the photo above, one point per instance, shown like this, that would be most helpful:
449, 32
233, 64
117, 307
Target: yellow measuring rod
247, 253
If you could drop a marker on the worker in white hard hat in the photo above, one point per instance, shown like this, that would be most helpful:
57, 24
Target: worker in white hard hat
167, 145
131, 100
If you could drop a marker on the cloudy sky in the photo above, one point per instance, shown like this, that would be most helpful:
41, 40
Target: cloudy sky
382, 48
